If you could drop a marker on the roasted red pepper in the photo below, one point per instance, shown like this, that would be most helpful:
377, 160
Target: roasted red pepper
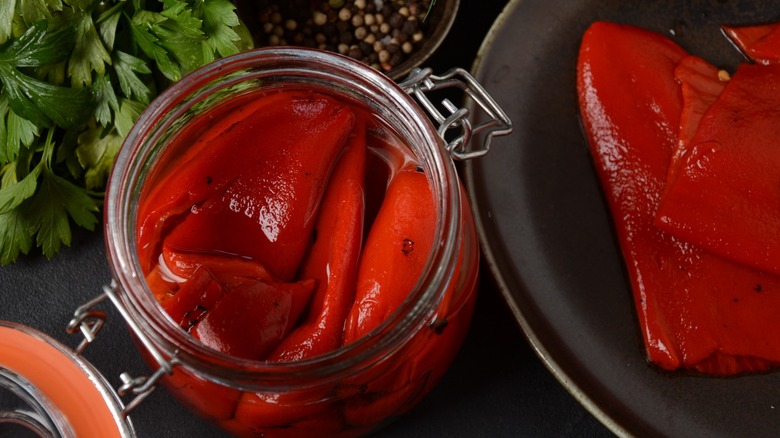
760, 43
697, 311
411, 380
333, 257
701, 84
395, 253
193, 298
394, 258
252, 319
193, 170
726, 196
248, 195
352, 234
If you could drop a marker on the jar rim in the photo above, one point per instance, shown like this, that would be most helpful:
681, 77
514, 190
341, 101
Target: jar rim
341, 73
58, 388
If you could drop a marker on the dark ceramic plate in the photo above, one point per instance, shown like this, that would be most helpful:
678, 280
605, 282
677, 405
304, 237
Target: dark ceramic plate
547, 233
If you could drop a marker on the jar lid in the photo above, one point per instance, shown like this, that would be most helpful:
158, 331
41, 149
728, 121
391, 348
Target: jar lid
52, 390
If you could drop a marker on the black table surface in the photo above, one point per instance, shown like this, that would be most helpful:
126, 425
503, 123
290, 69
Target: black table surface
496, 387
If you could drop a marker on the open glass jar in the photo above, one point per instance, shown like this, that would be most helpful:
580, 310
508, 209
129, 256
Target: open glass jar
44, 387
365, 382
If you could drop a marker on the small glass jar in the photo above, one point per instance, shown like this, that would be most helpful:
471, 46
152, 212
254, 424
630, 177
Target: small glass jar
354, 389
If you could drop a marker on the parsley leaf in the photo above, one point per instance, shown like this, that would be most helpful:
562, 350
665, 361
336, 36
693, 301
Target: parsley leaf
18, 131
96, 153
15, 193
7, 10
129, 110
142, 26
126, 67
15, 237
37, 101
219, 21
39, 46
55, 200
105, 98
74, 77
89, 54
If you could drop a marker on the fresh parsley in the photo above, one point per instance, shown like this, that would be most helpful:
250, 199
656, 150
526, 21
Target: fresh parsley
74, 77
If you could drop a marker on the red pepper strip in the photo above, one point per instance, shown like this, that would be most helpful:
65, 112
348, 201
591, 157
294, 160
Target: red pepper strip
453, 316
760, 43
726, 198
229, 271
382, 164
333, 257
428, 355
395, 253
195, 297
263, 411
193, 171
206, 398
272, 167
701, 84
696, 310
163, 288
400, 391
251, 320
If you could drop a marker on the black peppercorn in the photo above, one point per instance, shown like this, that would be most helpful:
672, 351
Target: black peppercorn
382, 37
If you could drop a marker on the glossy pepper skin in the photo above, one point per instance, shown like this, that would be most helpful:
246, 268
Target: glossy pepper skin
697, 311
333, 257
700, 84
401, 384
252, 319
395, 253
240, 303
253, 196
726, 197
192, 172
760, 43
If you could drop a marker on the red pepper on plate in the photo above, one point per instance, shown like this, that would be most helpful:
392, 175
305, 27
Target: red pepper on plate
701, 84
697, 311
726, 196
760, 43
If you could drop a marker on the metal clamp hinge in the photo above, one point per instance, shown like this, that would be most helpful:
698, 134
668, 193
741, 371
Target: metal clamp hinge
89, 321
496, 122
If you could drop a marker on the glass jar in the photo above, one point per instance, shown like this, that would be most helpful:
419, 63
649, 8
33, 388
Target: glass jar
45, 385
353, 389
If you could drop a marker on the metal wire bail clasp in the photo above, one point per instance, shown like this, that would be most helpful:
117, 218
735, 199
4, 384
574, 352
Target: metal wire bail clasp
496, 122
89, 321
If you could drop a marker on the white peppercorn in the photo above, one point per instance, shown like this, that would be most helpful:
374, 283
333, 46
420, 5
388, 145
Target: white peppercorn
345, 14
361, 33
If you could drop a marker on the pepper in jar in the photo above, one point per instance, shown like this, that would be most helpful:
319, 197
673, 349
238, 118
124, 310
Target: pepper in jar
287, 225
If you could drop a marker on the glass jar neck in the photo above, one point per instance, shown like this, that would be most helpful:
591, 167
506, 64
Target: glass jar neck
56, 384
271, 68
22, 405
